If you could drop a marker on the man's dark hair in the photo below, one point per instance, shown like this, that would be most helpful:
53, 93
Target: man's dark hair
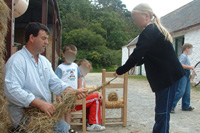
34, 28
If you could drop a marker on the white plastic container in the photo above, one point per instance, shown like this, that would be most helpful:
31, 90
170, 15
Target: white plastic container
20, 7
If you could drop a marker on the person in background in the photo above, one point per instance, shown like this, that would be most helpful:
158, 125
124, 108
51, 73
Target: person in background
183, 90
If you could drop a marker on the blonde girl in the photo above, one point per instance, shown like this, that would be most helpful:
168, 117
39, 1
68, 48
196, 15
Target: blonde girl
154, 49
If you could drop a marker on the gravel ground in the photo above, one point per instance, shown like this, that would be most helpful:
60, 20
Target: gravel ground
140, 112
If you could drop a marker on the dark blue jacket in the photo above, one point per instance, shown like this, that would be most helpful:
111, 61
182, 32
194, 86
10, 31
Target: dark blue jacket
158, 56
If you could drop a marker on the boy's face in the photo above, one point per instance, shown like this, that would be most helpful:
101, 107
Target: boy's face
189, 51
69, 56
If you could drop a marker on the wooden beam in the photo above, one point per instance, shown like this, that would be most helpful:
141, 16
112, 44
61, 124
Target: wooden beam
10, 34
111, 75
115, 85
44, 11
44, 16
54, 36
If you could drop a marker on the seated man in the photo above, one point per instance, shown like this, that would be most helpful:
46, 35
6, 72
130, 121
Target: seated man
29, 78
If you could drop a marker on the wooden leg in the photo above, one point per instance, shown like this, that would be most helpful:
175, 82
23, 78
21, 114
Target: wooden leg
84, 115
104, 99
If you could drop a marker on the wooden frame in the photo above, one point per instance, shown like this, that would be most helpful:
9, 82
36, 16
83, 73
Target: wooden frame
124, 86
83, 113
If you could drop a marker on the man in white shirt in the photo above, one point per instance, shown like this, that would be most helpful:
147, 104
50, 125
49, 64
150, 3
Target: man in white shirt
29, 78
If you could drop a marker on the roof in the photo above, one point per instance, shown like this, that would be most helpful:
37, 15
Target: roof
133, 42
183, 17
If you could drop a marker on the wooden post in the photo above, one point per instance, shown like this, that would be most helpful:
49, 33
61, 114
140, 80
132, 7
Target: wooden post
84, 115
53, 38
104, 98
125, 99
10, 34
44, 11
44, 16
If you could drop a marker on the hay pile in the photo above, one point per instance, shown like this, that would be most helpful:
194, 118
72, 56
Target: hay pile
4, 17
39, 122
112, 96
113, 101
35, 121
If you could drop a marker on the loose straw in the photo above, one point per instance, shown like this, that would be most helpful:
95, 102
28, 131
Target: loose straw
35, 120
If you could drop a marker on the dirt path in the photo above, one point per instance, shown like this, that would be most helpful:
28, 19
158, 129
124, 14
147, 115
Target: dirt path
141, 109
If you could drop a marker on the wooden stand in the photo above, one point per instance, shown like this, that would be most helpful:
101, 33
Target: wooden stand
123, 118
79, 113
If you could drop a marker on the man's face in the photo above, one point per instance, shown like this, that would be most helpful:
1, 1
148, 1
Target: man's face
40, 42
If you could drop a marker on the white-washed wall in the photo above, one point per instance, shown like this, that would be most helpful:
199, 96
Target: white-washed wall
125, 57
193, 37
124, 54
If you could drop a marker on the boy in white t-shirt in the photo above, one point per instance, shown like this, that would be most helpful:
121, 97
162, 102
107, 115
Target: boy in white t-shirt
69, 72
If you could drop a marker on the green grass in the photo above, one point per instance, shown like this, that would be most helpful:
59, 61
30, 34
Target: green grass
108, 69
139, 77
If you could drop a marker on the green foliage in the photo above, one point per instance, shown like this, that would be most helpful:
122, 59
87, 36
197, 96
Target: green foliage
99, 28
84, 39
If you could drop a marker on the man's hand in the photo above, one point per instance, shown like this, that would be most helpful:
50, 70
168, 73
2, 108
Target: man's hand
58, 99
81, 93
45, 107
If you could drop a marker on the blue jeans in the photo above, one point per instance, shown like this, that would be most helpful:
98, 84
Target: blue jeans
183, 91
164, 100
62, 127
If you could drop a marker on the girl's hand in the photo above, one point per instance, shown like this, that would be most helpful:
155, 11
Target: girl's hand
100, 96
115, 74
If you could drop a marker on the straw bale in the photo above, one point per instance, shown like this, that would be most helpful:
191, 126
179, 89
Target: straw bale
4, 17
114, 104
112, 96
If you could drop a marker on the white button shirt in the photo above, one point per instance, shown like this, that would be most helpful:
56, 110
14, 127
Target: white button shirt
26, 80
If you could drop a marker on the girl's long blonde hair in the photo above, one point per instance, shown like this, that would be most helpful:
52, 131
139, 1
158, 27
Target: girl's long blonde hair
145, 8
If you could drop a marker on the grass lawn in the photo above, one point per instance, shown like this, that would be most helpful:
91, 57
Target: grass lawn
139, 77
108, 69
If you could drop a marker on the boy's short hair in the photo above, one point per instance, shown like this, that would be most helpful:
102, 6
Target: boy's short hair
86, 62
187, 45
34, 28
69, 47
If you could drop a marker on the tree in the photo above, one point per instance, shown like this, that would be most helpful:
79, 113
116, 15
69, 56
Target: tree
99, 28
84, 39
